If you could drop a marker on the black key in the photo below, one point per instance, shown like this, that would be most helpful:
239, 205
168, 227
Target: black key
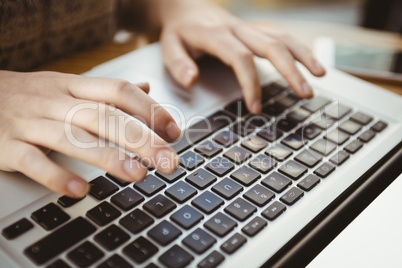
207, 202
220, 224
271, 90
289, 100
243, 128
208, 149
220, 166
323, 122
136, 221
258, 120
191, 160
50, 216
324, 170
292, 196
279, 152
164, 233
324, 147
259, 195
227, 188
276, 182
237, 155
240, 209
367, 136
339, 158
173, 176
309, 131
254, 226
58, 264
354, 146
263, 163
186, 217
237, 107
254, 144
117, 180
286, 124
150, 185
111, 237
233, 243
140, 250
151, 265
271, 133
127, 199
350, 127
226, 138
273, 109
66, 201
315, 104
361, 118
379, 126
115, 261
16, 229
245, 175
273, 211
212, 260
176, 257
337, 136
293, 170
298, 115
199, 241
308, 158
337, 111
181, 192
58, 241
294, 141
85, 255
201, 178
159, 206
103, 213
308, 182
102, 188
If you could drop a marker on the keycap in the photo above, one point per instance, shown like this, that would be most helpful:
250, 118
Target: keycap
17, 228
240, 209
245, 176
115, 261
50, 216
164, 233
191, 160
227, 188
308, 158
140, 250
254, 144
259, 195
286, 124
233, 243
181, 192
258, 120
262, 163
208, 149
220, 224
316, 104
67, 202
186, 217
324, 170
273, 211
103, 213
207, 202
361, 118
271, 90
338, 111
201, 178
353, 146
270, 133
220, 166
159, 206
242, 128
127, 199
339, 158
298, 115
309, 132
199, 241
273, 109
350, 127
254, 226
293, 141
212, 260
151, 265
323, 122
226, 138
85, 254
292, 196
379, 126
58, 264
324, 147
136, 221
237, 107
112, 237
292, 169
337, 136
366, 136
237, 155
119, 181
176, 257
150, 185
170, 178
102, 188
289, 100
58, 241
278, 152
308, 182
276, 182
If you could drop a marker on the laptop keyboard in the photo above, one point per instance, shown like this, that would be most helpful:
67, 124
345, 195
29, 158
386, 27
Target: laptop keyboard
237, 173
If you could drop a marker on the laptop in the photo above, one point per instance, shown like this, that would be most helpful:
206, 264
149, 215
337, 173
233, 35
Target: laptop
251, 191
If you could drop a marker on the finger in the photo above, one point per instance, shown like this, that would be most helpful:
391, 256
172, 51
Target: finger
144, 86
178, 60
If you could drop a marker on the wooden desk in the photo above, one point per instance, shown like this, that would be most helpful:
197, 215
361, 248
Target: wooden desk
83, 61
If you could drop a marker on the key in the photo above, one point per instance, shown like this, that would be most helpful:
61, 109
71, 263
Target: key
140, 250
316, 104
159, 206
278, 152
259, 195
220, 166
350, 127
207, 202
273, 211
164, 233
212, 260
353, 146
298, 115
271, 90
337, 111
367, 136
308, 158
176, 257
17, 228
293, 141
254, 226
150, 185
292, 196
324, 147
286, 124
273, 109
58, 264
186, 217
181, 192
127, 199
103, 213
102, 188
258, 120
117, 180
85, 255
170, 178
337, 136
237, 107
208, 149
309, 132
245, 176
226, 138
67, 202
233, 243
191, 160
50, 216
323, 122
309, 182
240, 209
289, 100
324, 170
292, 169
237, 155
220, 224
112, 237
136, 221
379, 126
361, 118
199, 241
276, 182
339, 158
263, 163
243, 128
58, 241
227, 188
254, 144
115, 261
271, 133
201, 179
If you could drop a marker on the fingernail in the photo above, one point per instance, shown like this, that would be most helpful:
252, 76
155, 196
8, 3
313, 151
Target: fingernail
256, 107
307, 90
167, 161
78, 188
188, 76
173, 131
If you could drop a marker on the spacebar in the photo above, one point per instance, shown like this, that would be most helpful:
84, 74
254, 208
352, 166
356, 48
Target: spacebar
60, 240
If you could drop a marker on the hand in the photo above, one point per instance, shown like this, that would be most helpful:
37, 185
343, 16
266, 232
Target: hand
190, 28
73, 115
